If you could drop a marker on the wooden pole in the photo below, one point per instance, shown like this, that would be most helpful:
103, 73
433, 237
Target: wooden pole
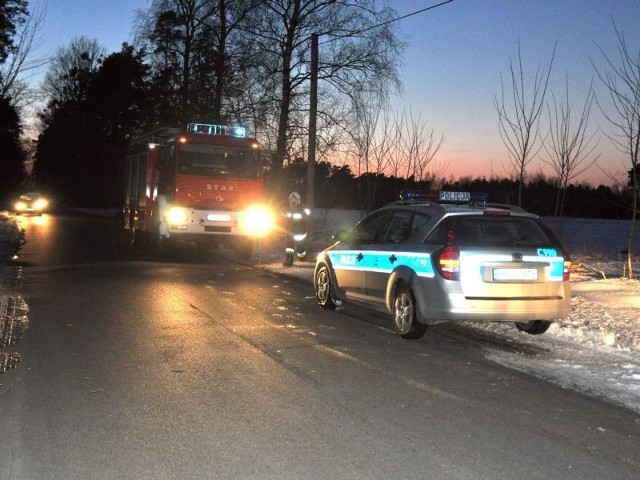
311, 156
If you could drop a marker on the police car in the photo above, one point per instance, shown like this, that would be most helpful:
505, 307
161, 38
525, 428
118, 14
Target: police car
448, 256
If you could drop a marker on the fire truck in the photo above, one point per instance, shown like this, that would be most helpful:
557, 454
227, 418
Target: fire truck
202, 186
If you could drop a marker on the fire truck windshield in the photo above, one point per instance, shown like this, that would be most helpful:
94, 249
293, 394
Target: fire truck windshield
211, 160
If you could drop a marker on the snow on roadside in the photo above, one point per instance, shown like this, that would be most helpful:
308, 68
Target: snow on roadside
11, 237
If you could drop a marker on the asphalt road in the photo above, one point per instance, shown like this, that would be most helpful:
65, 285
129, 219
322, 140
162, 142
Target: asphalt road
132, 368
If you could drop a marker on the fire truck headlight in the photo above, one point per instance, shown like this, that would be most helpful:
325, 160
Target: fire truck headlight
257, 221
20, 206
177, 216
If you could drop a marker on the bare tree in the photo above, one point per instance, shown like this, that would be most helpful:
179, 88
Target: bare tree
179, 38
385, 141
19, 65
519, 116
13, 13
70, 69
570, 149
622, 80
353, 55
417, 147
198, 50
370, 137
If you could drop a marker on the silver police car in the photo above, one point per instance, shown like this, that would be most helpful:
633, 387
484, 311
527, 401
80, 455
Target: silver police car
449, 256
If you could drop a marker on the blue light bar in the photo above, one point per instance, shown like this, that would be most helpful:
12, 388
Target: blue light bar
239, 131
213, 129
412, 195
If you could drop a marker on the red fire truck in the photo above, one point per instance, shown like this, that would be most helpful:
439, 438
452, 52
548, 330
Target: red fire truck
202, 186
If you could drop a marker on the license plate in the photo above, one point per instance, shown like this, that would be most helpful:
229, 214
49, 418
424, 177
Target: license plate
218, 217
506, 274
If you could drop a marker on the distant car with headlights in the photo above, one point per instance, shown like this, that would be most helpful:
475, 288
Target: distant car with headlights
30, 204
448, 256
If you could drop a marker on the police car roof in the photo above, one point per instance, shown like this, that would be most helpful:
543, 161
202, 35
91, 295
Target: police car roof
453, 201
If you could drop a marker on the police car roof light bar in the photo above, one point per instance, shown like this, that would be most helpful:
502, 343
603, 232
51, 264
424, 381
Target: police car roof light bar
443, 196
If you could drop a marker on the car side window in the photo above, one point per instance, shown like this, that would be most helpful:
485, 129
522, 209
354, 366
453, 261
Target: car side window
367, 231
418, 221
399, 228
403, 225
438, 235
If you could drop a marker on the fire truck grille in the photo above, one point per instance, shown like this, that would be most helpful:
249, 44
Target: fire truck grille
214, 229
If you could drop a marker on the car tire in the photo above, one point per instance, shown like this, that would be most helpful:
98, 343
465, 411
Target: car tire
404, 314
155, 244
534, 327
158, 246
323, 288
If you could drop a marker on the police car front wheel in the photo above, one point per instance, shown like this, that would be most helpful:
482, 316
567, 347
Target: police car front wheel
323, 288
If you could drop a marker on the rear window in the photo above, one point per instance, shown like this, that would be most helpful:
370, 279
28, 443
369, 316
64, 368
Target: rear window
491, 231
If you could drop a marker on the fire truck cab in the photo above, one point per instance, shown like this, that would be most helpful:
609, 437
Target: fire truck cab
203, 185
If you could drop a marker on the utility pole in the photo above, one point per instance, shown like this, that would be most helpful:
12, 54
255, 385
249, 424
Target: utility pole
311, 155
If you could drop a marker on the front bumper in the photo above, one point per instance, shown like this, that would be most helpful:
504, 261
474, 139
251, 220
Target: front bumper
187, 222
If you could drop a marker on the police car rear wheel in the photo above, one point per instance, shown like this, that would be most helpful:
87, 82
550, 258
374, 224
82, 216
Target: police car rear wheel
404, 314
323, 288
534, 327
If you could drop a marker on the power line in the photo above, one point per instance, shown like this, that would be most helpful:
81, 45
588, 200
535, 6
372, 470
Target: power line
388, 21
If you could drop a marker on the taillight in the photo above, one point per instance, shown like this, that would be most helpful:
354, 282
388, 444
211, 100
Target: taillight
566, 274
448, 263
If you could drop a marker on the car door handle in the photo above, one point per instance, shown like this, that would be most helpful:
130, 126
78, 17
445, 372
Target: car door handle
393, 258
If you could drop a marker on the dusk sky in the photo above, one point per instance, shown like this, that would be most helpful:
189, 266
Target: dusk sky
451, 69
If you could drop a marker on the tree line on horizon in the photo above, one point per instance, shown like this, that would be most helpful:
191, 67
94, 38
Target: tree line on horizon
337, 187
